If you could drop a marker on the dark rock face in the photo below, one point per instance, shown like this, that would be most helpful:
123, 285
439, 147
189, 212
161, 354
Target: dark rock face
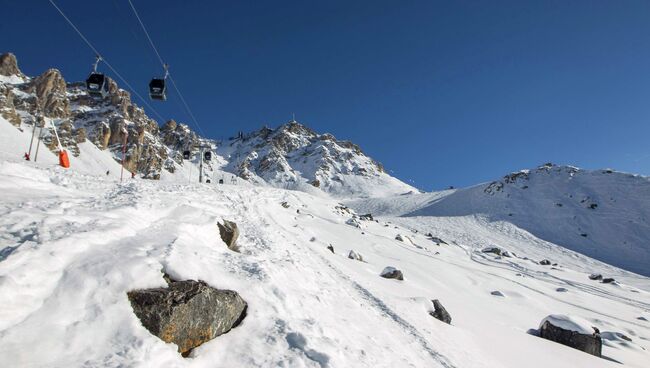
392, 273
229, 234
187, 313
494, 250
440, 312
591, 344
545, 262
366, 217
608, 280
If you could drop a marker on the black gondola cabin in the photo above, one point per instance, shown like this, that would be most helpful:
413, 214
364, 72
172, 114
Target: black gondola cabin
186, 155
157, 89
96, 85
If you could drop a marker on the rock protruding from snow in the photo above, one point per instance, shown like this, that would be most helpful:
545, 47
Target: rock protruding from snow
572, 331
229, 234
356, 256
353, 222
595, 276
545, 262
493, 250
188, 313
392, 273
439, 312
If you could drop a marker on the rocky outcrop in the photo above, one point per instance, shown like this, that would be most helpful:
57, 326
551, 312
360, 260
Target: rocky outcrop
7, 107
439, 312
187, 313
9, 65
392, 273
589, 343
50, 91
229, 234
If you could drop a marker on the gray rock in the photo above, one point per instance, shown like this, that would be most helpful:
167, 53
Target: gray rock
497, 293
595, 276
331, 248
493, 250
284, 204
608, 280
545, 262
591, 344
356, 256
440, 312
561, 290
187, 313
399, 237
229, 234
366, 217
392, 273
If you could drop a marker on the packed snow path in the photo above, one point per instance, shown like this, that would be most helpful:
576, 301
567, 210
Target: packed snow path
73, 244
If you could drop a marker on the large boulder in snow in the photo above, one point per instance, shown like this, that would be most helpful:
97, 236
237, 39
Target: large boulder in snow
229, 234
572, 331
392, 273
187, 313
440, 312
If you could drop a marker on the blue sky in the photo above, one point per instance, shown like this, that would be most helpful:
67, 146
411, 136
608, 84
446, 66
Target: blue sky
441, 92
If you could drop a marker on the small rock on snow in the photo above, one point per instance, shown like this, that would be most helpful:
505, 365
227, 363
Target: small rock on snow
440, 312
392, 273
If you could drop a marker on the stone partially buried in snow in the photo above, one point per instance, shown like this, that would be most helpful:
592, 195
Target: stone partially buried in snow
573, 332
494, 250
392, 273
229, 234
440, 312
187, 313
356, 256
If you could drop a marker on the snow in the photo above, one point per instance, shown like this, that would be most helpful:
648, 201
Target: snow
12, 79
73, 242
569, 323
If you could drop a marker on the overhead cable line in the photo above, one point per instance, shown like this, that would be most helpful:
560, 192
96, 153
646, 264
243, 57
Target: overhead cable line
155, 49
133, 90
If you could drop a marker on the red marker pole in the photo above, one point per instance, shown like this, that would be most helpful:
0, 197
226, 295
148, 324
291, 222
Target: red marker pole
126, 135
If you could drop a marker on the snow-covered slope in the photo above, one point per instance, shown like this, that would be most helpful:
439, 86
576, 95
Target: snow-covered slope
75, 243
603, 214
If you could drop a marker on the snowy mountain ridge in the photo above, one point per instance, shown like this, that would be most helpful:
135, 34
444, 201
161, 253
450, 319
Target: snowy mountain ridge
603, 214
291, 156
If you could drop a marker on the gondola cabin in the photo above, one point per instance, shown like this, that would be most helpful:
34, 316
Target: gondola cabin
186, 155
96, 85
157, 89
207, 156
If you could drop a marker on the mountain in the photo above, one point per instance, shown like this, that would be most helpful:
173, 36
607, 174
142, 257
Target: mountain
291, 156
295, 157
603, 214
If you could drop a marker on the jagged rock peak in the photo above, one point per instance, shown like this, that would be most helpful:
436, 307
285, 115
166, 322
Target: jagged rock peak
50, 89
9, 65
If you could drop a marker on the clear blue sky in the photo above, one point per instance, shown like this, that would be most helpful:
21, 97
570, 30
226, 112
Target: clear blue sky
442, 92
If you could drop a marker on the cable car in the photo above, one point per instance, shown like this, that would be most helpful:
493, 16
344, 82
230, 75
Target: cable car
186, 155
158, 88
207, 155
96, 85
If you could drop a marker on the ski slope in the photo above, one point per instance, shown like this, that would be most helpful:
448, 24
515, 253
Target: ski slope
74, 243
